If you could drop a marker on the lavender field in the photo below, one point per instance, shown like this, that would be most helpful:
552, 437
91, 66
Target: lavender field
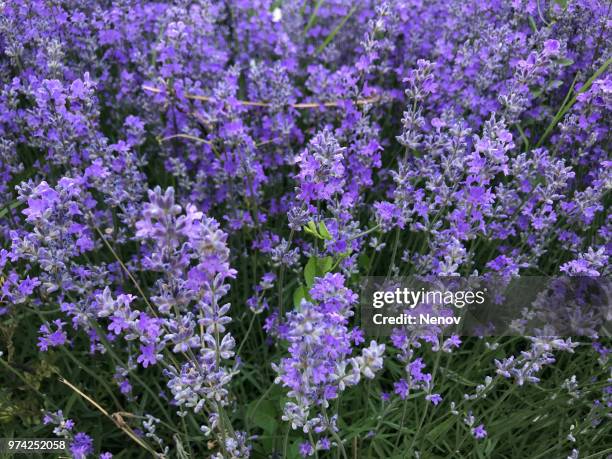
192, 193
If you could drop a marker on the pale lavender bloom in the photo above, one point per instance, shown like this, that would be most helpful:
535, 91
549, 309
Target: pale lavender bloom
479, 432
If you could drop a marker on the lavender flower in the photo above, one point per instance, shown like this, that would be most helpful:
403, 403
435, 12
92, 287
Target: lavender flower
278, 123
479, 432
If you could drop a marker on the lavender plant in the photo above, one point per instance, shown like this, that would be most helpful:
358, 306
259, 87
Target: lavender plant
191, 193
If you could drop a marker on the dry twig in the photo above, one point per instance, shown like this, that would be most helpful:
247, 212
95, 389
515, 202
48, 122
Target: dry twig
249, 103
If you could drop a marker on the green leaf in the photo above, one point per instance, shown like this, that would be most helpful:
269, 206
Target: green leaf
313, 16
537, 92
317, 267
298, 295
263, 414
310, 271
363, 261
311, 228
533, 25
568, 103
11, 206
333, 33
325, 265
324, 232
294, 450
439, 430
564, 62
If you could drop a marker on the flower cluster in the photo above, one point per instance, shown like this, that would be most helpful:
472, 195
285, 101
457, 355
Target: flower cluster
81, 444
161, 161
321, 364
